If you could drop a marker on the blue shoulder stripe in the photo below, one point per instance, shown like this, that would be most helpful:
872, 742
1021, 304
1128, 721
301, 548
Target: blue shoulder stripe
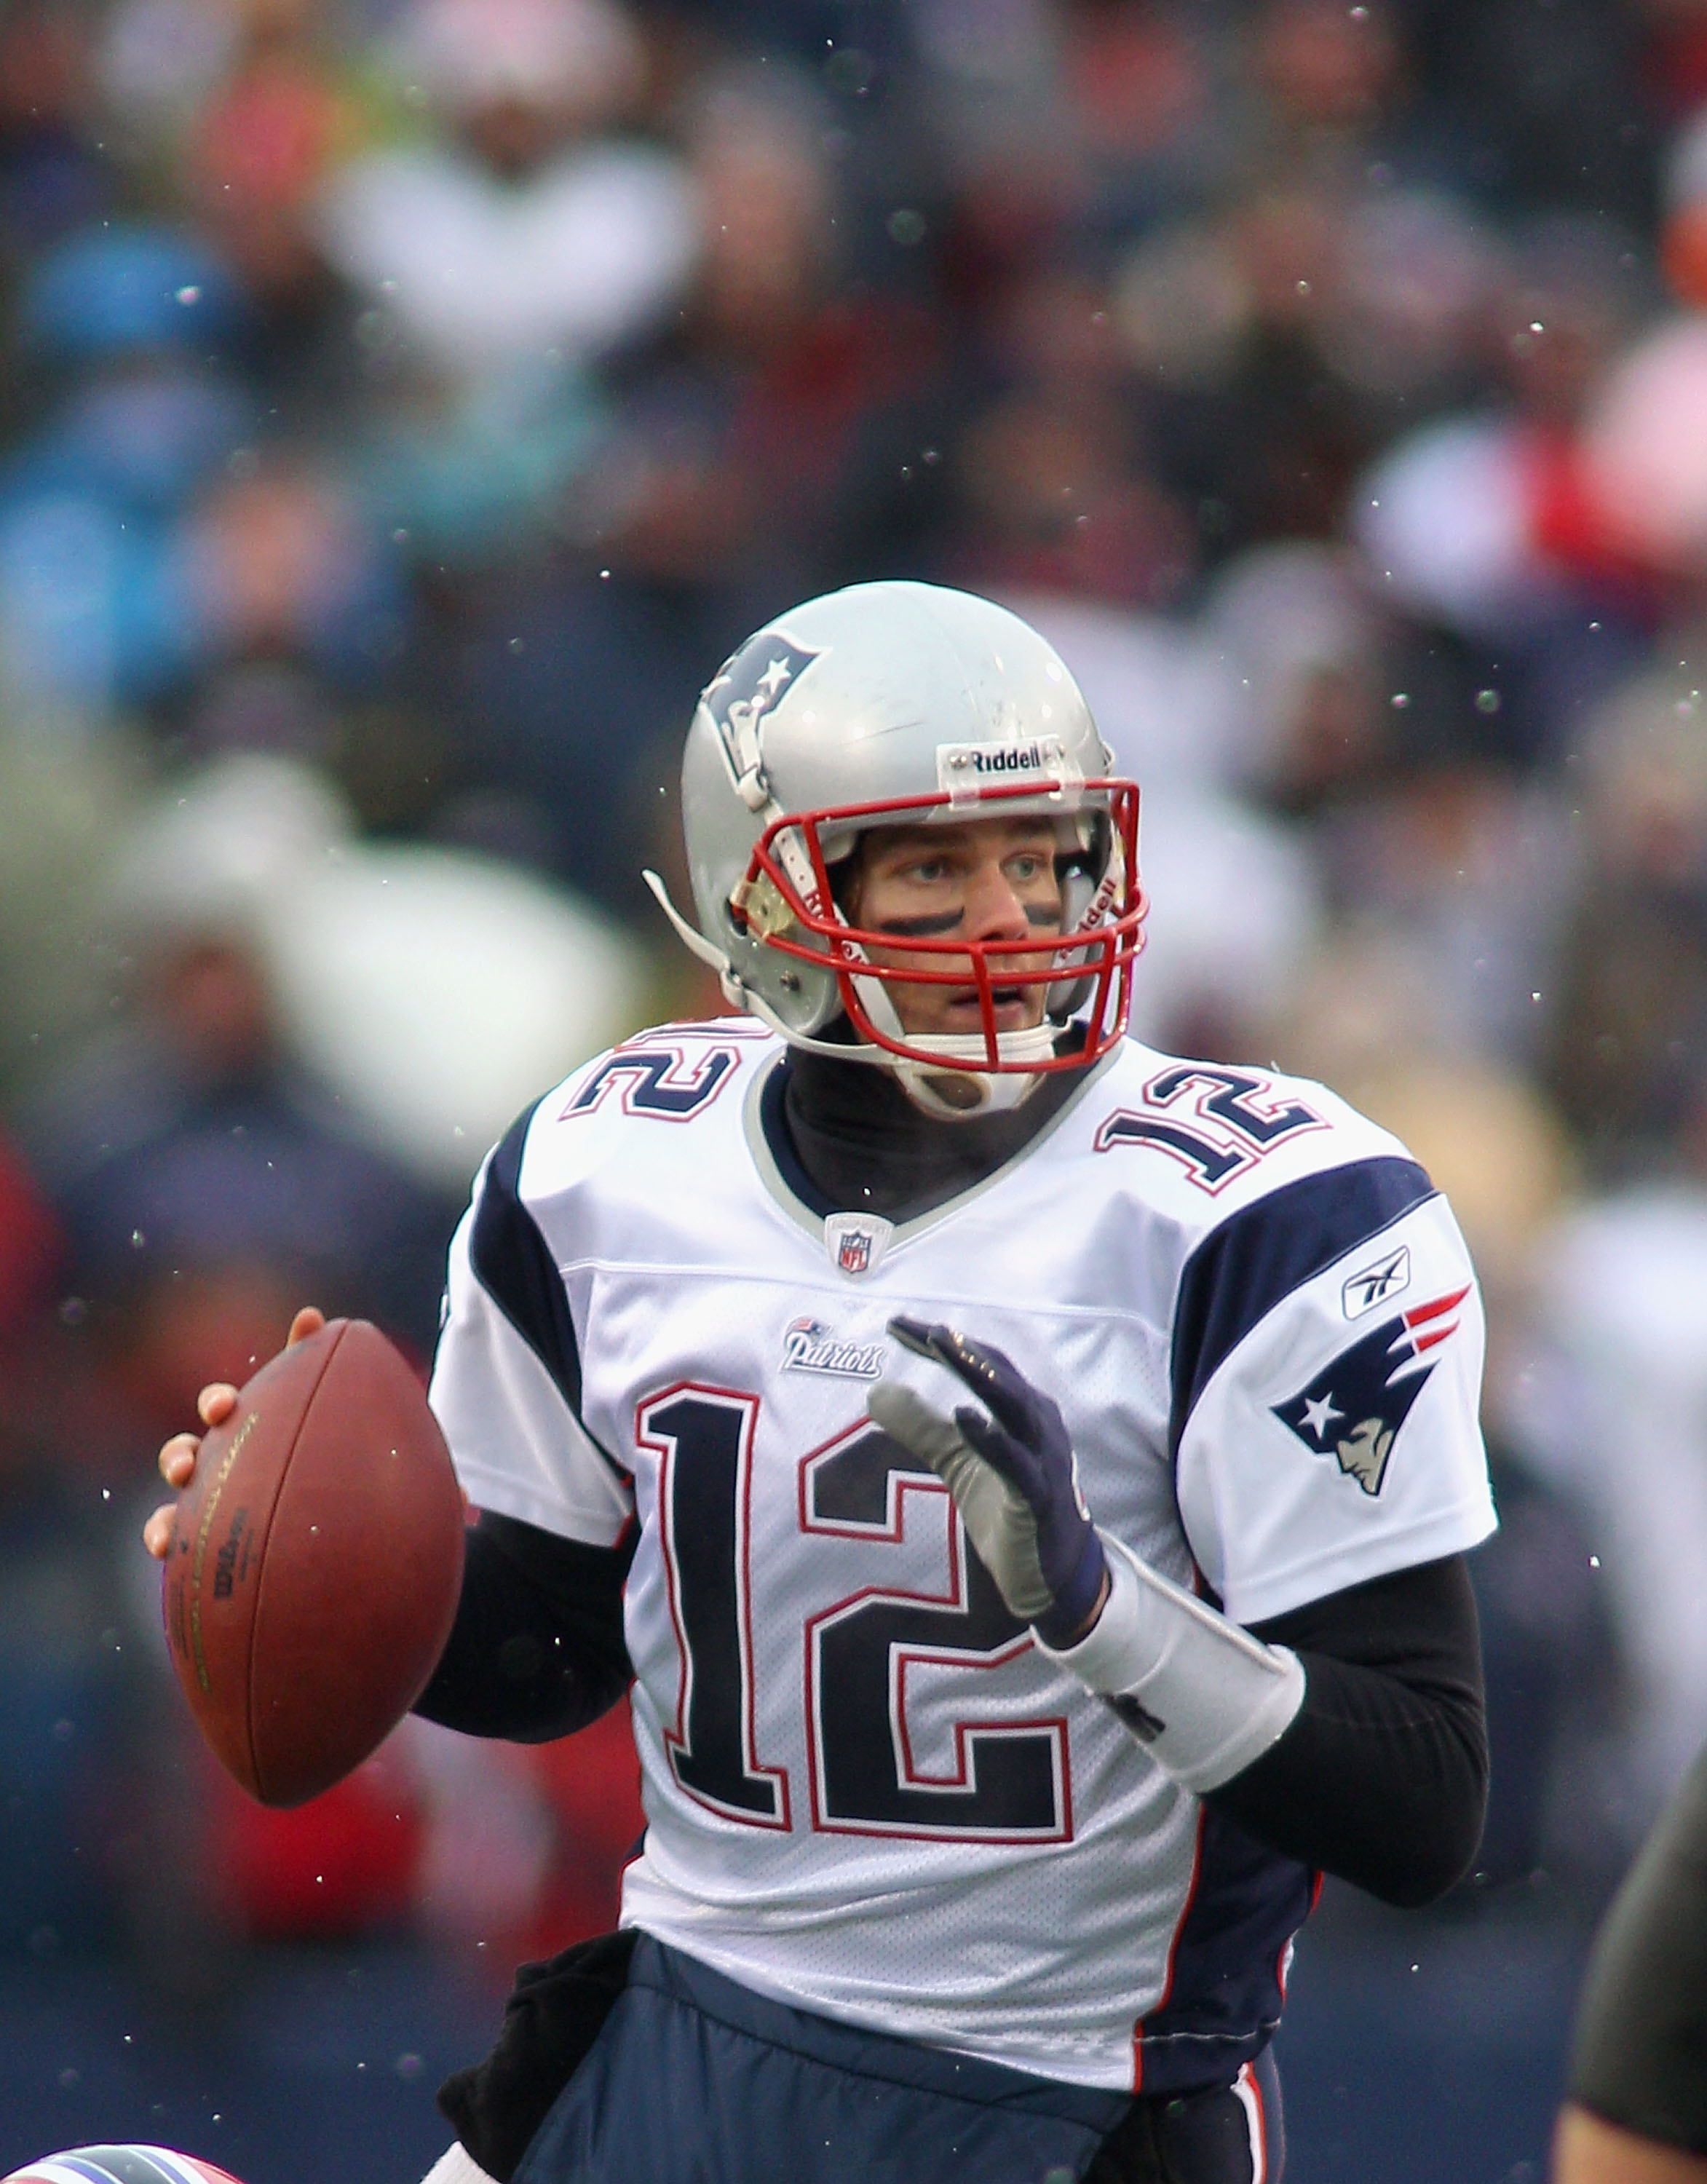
1243, 1269
516, 1266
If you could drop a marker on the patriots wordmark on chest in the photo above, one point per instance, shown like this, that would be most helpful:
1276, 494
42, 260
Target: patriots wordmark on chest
810, 1346
1354, 1408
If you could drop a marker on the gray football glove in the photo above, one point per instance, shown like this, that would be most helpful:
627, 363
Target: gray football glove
1202, 1697
1013, 1477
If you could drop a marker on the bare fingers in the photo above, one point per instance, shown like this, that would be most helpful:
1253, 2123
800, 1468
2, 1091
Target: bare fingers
178, 1469
219, 1399
177, 1457
178, 1460
214, 1405
216, 1402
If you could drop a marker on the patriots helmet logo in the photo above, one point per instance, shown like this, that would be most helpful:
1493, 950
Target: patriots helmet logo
1354, 1407
749, 685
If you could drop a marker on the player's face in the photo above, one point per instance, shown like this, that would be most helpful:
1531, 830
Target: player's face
984, 879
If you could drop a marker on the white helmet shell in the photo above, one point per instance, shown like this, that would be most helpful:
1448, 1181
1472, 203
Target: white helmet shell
120, 2164
889, 703
868, 695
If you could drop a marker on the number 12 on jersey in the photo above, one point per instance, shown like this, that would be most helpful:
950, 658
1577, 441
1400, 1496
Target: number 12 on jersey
1214, 1122
1007, 1780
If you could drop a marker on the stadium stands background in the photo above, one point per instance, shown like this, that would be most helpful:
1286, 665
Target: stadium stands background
405, 405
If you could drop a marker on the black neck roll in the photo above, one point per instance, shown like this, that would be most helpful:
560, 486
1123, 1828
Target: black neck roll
865, 1147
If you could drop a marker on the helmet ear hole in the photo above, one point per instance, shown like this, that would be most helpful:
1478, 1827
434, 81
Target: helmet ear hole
844, 876
1075, 877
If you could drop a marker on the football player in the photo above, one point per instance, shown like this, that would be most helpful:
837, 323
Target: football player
1637, 2085
1023, 1477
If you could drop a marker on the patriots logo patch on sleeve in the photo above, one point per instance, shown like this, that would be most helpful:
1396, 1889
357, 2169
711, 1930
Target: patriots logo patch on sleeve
1353, 1409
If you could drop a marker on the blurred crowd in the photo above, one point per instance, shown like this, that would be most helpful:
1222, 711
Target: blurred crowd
407, 403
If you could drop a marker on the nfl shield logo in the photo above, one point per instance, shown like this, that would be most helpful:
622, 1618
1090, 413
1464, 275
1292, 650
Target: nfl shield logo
856, 1242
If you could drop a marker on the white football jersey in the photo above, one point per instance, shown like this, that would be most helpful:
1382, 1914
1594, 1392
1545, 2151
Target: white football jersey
867, 1792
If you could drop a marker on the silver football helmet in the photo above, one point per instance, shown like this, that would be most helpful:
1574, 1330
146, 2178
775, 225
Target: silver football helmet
904, 703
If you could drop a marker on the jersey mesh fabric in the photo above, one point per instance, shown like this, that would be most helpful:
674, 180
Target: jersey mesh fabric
866, 1791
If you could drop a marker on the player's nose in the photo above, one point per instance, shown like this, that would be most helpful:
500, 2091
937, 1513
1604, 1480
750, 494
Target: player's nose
994, 910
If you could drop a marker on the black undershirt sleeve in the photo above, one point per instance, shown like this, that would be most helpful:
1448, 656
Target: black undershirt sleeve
537, 1649
1639, 2056
1382, 1776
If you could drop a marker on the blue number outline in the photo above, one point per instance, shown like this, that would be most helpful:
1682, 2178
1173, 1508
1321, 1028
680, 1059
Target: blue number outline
1230, 1098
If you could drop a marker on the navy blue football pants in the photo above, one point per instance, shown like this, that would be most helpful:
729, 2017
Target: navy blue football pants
695, 2079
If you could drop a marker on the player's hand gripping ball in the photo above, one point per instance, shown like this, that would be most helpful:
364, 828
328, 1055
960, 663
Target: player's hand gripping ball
1013, 1476
315, 1564
120, 2164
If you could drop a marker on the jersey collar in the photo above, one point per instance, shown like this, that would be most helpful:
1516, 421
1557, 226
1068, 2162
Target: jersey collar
806, 1205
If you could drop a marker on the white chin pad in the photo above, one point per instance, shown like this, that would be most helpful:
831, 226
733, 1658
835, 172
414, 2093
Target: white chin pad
961, 1090
957, 1092
959, 1095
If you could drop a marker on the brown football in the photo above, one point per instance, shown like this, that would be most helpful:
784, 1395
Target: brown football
315, 1563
